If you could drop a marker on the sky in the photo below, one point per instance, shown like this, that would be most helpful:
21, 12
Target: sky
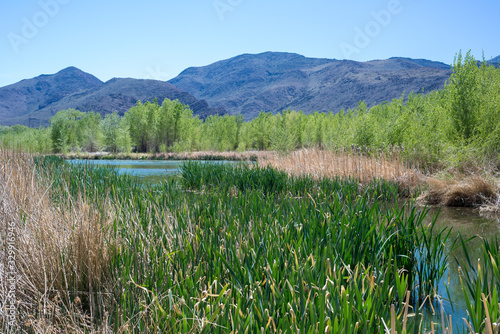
157, 39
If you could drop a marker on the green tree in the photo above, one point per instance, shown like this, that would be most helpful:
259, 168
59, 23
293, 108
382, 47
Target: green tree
165, 124
110, 128
363, 134
239, 124
283, 138
89, 133
220, 132
463, 90
137, 124
66, 130
261, 131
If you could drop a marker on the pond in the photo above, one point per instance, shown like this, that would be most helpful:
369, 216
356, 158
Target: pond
464, 221
468, 223
148, 171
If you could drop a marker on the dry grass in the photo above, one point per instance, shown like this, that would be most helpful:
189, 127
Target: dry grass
323, 163
201, 155
60, 254
465, 191
491, 206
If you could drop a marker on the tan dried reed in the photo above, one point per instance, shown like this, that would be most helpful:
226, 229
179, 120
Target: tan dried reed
465, 191
345, 163
61, 254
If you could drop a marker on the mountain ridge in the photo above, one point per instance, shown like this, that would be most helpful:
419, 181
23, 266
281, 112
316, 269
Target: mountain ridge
34, 101
43, 90
273, 81
245, 84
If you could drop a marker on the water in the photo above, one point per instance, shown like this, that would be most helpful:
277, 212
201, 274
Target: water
148, 171
464, 221
468, 223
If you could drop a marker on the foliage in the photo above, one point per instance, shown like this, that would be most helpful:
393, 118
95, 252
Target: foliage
455, 126
232, 249
480, 286
284, 138
72, 130
22, 138
463, 89
115, 134
152, 126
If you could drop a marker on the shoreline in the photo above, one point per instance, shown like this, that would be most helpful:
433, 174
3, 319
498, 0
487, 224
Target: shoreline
476, 191
202, 155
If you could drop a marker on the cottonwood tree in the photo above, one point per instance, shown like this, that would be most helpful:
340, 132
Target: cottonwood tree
137, 125
115, 133
220, 132
74, 130
261, 131
463, 90
283, 138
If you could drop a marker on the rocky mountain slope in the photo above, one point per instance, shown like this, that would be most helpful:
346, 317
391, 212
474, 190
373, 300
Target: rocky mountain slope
274, 81
246, 84
34, 101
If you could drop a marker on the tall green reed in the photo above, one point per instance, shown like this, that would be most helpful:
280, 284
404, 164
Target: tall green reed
480, 284
256, 250
243, 177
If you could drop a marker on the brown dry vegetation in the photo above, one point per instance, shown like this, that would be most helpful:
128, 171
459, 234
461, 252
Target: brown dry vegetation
491, 206
465, 191
461, 191
323, 163
61, 253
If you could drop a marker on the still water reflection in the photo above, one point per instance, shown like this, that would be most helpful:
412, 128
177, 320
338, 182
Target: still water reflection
467, 223
149, 171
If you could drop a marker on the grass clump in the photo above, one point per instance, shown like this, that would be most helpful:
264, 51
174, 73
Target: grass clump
480, 284
471, 191
244, 178
57, 255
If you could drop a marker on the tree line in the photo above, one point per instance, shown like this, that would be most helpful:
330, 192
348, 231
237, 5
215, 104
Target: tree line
458, 123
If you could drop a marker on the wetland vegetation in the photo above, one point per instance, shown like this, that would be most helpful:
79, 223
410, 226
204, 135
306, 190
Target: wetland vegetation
322, 233
229, 248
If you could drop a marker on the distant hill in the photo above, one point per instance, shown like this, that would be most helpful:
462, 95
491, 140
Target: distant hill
495, 61
246, 84
34, 101
274, 81
25, 97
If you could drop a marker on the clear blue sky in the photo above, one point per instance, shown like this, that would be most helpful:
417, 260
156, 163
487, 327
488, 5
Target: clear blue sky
159, 38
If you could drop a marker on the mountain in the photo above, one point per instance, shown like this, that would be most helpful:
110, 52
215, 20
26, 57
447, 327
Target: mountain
246, 84
274, 81
26, 96
495, 61
34, 101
